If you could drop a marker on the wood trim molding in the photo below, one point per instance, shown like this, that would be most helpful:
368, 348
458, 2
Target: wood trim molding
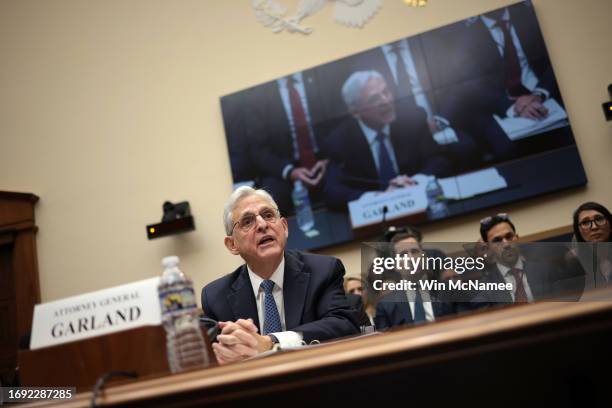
10, 195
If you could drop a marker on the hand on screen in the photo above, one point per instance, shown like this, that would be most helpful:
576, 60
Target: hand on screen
530, 107
239, 340
310, 177
400, 181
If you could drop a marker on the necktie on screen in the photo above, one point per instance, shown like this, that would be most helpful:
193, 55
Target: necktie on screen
272, 323
520, 295
302, 133
385, 167
419, 310
512, 66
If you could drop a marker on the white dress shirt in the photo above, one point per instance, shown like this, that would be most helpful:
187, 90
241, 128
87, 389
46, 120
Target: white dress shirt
370, 135
446, 134
415, 82
285, 338
509, 278
528, 77
429, 313
301, 90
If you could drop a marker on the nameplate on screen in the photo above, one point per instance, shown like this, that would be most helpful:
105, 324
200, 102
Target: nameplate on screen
96, 313
400, 203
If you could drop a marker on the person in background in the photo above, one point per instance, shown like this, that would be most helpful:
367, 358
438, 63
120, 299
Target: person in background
372, 149
592, 225
539, 272
285, 128
399, 308
354, 286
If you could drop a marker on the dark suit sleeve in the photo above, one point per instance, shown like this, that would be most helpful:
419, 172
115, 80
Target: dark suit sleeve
356, 304
338, 194
381, 320
335, 318
269, 162
435, 162
206, 307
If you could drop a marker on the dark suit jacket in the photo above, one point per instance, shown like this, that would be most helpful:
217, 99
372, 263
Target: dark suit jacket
538, 277
313, 295
268, 126
394, 310
352, 170
468, 70
356, 304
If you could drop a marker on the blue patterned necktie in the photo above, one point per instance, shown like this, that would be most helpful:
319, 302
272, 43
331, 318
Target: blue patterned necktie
272, 323
385, 168
419, 310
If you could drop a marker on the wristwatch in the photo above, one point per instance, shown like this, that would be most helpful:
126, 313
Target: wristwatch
275, 342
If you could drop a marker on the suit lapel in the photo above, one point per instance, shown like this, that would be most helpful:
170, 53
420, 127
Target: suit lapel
358, 148
241, 299
295, 287
401, 309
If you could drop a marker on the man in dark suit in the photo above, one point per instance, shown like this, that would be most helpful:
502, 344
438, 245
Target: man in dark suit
285, 124
495, 63
405, 70
373, 149
278, 296
399, 308
541, 273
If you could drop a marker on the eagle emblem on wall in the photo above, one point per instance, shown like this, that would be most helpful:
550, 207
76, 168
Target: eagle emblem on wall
351, 13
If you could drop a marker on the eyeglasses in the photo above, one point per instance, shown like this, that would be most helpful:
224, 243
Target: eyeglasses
486, 221
248, 221
587, 224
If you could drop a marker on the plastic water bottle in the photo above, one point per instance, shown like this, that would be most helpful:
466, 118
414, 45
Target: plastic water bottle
184, 340
301, 203
436, 207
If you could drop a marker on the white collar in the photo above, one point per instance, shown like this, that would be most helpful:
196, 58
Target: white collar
277, 277
490, 23
297, 77
370, 133
401, 44
506, 270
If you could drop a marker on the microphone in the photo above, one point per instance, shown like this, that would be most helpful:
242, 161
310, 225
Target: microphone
383, 221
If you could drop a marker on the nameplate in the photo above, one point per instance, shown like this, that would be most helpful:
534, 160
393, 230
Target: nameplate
96, 313
405, 201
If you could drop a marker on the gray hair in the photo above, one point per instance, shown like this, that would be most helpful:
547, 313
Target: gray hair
239, 194
351, 90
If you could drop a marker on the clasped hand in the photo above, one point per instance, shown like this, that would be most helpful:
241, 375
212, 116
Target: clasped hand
312, 176
530, 107
239, 340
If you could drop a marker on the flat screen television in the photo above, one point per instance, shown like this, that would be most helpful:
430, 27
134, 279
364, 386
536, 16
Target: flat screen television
450, 121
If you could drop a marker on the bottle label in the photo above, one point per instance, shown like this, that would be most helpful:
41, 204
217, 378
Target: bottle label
176, 300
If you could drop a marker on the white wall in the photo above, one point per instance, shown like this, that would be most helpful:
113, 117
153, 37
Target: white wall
108, 108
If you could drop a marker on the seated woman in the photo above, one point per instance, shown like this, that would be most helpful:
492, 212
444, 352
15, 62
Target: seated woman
592, 224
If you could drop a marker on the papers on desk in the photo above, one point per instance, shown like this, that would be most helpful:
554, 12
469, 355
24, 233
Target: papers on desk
471, 184
520, 128
445, 136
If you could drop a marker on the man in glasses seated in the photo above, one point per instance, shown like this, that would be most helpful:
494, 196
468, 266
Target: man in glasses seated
408, 307
278, 296
538, 272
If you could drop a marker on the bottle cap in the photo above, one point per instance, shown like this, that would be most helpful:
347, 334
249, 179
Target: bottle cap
170, 261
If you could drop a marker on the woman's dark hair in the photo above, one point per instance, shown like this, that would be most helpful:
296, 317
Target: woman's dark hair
590, 206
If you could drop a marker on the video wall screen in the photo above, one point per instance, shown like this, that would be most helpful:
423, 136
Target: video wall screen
453, 120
